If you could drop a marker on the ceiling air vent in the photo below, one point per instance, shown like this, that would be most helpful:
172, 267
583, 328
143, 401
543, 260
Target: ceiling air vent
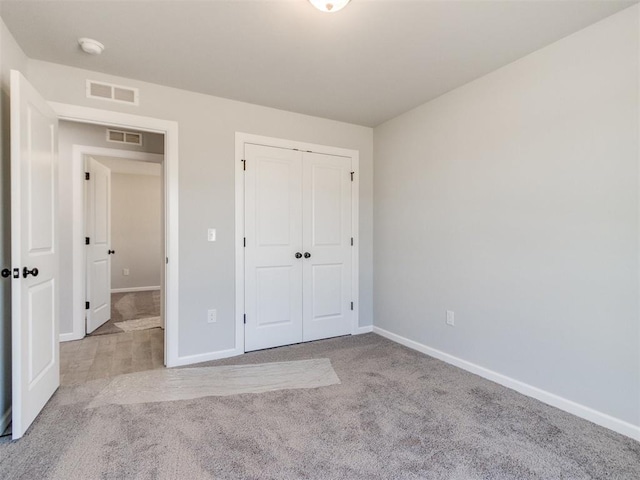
113, 93
119, 136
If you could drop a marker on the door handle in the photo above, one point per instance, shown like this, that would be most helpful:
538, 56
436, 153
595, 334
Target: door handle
6, 273
298, 255
110, 252
26, 272
307, 255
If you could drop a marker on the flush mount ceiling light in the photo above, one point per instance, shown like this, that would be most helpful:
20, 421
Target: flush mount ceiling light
91, 46
329, 6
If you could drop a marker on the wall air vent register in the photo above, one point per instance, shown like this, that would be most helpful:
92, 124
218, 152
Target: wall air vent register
120, 136
112, 93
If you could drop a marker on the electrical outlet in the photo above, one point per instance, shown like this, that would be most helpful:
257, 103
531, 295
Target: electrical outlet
212, 315
125, 271
451, 318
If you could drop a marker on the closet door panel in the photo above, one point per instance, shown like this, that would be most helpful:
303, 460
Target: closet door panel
327, 241
273, 230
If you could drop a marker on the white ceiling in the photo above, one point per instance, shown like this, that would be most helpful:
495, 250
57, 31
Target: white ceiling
365, 64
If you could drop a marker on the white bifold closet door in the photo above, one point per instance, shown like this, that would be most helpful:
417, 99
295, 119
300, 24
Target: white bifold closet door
298, 246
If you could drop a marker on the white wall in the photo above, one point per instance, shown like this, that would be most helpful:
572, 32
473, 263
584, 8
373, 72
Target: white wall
136, 234
96, 136
70, 134
11, 57
513, 201
207, 127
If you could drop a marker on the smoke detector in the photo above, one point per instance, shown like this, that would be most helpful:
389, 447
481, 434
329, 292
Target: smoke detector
91, 46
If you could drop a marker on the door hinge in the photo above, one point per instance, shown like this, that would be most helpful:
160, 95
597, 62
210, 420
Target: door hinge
352, 241
352, 176
87, 176
244, 242
87, 240
351, 305
86, 305
167, 260
244, 164
245, 318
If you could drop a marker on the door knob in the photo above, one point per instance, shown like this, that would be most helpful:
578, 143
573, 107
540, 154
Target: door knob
26, 272
298, 255
111, 252
307, 255
6, 272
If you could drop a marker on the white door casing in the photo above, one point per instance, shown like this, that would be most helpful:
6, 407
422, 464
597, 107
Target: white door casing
34, 323
171, 286
98, 225
298, 246
327, 244
273, 232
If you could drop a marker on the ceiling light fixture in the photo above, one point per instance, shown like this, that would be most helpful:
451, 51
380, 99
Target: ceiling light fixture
329, 6
91, 46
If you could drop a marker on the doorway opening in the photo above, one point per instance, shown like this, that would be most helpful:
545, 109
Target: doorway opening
121, 329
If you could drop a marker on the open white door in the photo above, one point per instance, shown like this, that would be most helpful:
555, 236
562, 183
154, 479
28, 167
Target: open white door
34, 254
98, 222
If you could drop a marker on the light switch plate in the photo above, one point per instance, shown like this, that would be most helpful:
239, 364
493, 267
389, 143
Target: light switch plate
451, 319
211, 235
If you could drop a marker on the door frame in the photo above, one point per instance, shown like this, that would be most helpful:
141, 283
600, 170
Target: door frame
78, 227
169, 129
240, 140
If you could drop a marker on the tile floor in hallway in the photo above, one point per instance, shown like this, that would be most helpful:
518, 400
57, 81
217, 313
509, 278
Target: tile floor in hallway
105, 356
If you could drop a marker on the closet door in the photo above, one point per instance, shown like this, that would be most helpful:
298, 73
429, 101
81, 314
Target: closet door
327, 246
273, 232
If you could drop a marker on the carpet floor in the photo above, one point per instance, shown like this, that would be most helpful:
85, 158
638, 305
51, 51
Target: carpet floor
397, 414
130, 306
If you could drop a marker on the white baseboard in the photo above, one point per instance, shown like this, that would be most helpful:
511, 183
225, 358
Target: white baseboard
599, 418
5, 420
135, 289
365, 329
206, 357
68, 337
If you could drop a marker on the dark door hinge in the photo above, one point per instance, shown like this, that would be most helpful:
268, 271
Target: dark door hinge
87, 240
86, 305
87, 176
352, 241
244, 164
244, 242
351, 305
352, 176
245, 318
167, 260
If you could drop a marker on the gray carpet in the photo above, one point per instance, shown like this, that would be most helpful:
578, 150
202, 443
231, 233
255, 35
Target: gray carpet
130, 306
397, 414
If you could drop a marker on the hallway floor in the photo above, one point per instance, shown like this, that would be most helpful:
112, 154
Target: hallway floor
104, 356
